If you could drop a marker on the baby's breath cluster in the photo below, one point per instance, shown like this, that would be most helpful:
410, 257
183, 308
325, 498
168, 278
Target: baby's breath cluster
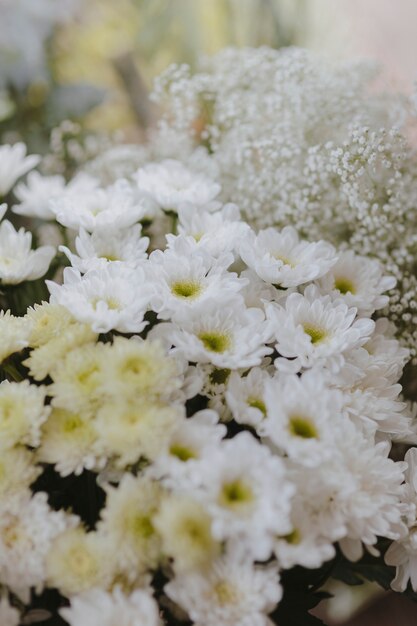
197, 414
299, 141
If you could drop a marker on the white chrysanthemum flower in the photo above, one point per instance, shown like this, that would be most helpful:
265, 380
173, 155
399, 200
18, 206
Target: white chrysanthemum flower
234, 592
385, 355
68, 441
13, 164
185, 276
257, 291
355, 496
78, 561
280, 258
112, 298
22, 413
27, 530
185, 529
313, 329
17, 261
302, 414
127, 522
36, 193
218, 231
403, 554
77, 378
114, 208
17, 471
97, 250
245, 396
359, 281
249, 502
130, 430
43, 360
46, 322
101, 608
14, 333
193, 439
135, 368
228, 337
170, 184
9, 616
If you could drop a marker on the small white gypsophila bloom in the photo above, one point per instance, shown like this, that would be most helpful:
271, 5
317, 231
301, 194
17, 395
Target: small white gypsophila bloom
13, 164
14, 332
104, 608
302, 414
193, 439
170, 184
115, 297
185, 277
280, 258
245, 396
114, 208
250, 502
403, 553
359, 281
22, 413
27, 529
9, 616
313, 329
36, 193
218, 232
17, 261
97, 250
234, 592
228, 337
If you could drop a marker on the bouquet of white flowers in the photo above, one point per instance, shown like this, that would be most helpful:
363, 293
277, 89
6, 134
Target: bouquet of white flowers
200, 421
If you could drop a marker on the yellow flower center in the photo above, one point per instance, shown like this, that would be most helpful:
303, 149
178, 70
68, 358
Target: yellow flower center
317, 334
186, 289
182, 452
215, 342
344, 285
302, 427
225, 593
257, 403
236, 494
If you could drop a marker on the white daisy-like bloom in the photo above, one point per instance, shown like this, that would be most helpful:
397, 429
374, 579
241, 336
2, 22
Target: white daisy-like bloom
228, 337
257, 291
280, 258
115, 297
104, 608
79, 560
127, 523
403, 554
13, 164
359, 281
245, 396
17, 261
38, 192
302, 414
193, 439
355, 496
27, 529
97, 250
250, 502
313, 329
185, 276
185, 528
218, 232
114, 208
170, 183
17, 471
9, 615
22, 413
384, 353
35, 194
14, 333
233, 592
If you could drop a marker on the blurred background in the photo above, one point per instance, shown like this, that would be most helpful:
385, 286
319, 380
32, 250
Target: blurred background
94, 61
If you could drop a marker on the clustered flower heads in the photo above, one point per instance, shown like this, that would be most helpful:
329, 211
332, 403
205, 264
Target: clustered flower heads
198, 408
299, 141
